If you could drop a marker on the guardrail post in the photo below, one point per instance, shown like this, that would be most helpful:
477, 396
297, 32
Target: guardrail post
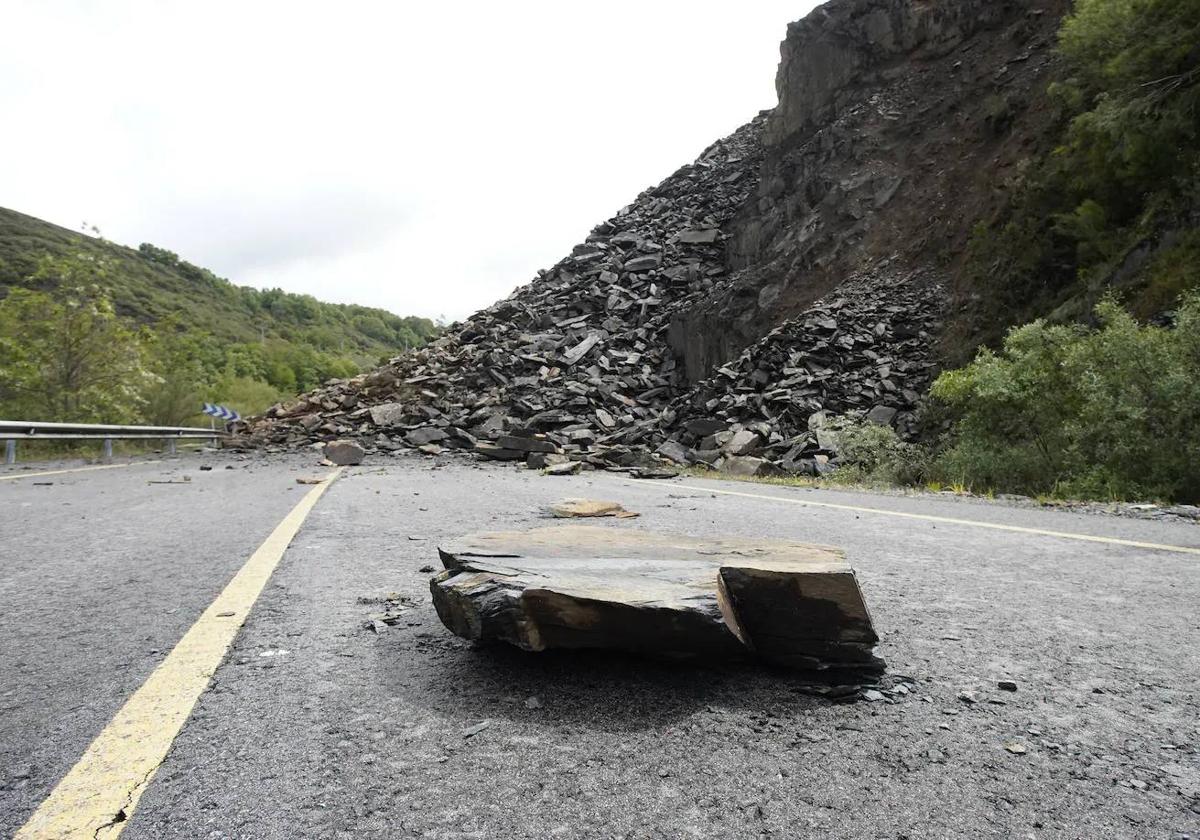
170, 446
108, 449
10, 451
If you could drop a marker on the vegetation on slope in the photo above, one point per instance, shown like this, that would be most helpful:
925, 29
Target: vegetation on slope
182, 335
1104, 230
1116, 204
1109, 413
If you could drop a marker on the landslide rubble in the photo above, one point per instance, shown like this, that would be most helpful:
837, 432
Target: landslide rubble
574, 363
786, 275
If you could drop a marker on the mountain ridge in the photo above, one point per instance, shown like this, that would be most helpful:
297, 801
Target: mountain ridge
151, 283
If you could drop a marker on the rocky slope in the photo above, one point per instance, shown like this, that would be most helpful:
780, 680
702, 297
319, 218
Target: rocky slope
796, 268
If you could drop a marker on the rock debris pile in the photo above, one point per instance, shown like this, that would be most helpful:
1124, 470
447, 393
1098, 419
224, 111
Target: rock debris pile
575, 365
865, 349
575, 371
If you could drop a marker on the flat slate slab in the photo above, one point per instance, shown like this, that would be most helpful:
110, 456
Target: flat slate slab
585, 586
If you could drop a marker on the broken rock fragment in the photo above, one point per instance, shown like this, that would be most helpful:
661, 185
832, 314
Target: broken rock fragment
585, 508
344, 453
578, 586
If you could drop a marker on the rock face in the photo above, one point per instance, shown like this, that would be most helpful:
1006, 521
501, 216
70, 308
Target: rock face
798, 268
841, 45
791, 604
896, 119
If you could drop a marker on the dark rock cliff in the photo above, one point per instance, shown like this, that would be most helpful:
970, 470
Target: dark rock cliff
895, 120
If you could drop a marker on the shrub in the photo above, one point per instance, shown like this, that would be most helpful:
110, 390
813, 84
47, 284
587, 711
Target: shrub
1111, 412
874, 454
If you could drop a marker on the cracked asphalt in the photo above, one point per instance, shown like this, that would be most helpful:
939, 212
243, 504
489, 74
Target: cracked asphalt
316, 725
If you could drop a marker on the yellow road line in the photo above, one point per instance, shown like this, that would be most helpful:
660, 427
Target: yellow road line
98, 795
73, 470
950, 520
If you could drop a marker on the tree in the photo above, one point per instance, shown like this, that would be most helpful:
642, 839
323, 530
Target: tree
184, 364
66, 355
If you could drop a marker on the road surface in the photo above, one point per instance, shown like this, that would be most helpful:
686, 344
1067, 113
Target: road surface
315, 725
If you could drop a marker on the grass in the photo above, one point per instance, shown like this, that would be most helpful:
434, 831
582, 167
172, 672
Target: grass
35, 451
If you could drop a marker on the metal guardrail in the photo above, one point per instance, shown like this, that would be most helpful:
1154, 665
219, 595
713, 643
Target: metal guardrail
12, 431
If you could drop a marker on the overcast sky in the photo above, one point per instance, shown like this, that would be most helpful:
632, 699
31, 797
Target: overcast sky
427, 158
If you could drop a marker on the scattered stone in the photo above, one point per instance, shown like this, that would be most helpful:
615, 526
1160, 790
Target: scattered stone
542, 460
472, 731
395, 607
742, 443
344, 453
676, 452
1006, 685
882, 415
646, 263
1016, 748
699, 237
566, 468
526, 444
309, 480
584, 508
653, 472
744, 466
427, 435
580, 586
533, 703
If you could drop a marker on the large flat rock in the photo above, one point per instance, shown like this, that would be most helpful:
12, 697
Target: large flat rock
585, 586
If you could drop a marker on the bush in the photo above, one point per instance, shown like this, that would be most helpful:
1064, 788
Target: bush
873, 454
1106, 413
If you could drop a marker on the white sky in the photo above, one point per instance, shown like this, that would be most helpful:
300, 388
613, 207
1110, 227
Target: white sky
426, 158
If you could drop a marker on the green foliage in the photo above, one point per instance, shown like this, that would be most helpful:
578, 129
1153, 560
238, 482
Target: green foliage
1125, 170
67, 357
151, 284
1173, 272
197, 337
247, 396
872, 454
1107, 413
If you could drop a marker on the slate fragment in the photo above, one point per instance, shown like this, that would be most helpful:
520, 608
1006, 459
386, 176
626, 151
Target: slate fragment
793, 604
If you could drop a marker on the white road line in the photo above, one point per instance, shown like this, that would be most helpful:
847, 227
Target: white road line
950, 520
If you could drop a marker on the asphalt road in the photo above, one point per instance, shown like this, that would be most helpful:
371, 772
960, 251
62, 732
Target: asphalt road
315, 725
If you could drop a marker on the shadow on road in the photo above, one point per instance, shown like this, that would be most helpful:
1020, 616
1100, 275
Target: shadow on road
603, 691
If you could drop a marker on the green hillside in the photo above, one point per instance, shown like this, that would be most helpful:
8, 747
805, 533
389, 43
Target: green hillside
197, 335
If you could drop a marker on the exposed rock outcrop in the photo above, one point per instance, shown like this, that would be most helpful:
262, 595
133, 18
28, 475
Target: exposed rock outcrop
896, 119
